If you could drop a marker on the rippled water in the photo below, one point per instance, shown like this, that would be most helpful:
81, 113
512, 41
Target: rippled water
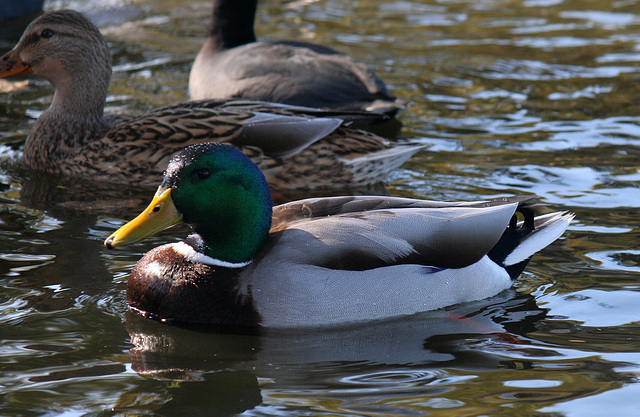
517, 97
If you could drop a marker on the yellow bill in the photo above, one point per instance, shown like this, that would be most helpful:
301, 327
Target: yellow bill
158, 216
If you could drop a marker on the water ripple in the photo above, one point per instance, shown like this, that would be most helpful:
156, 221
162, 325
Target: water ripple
619, 260
394, 378
608, 20
577, 186
529, 70
594, 308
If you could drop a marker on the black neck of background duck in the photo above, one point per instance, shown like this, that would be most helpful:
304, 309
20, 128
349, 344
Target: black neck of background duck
232, 23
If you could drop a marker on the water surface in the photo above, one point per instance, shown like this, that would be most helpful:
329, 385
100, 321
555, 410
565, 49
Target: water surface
516, 97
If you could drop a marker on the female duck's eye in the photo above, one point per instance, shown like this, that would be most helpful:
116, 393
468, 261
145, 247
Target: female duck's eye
47, 33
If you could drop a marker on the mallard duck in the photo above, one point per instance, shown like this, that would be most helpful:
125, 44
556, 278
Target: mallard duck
294, 146
232, 64
319, 261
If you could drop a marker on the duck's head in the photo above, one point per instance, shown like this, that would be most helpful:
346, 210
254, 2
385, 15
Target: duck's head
63, 47
217, 190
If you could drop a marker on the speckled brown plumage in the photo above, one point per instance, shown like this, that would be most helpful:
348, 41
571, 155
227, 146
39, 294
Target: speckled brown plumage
296, 147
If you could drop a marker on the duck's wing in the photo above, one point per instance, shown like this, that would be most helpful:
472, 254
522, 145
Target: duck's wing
367, 232
152, 138
282, 135
350, 117
286, 214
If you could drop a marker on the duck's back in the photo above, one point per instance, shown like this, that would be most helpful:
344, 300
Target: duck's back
292, 73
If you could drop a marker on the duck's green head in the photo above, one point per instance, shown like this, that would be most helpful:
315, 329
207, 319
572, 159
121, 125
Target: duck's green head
217, 190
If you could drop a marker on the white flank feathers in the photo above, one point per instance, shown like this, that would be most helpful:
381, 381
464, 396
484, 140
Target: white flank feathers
337, 297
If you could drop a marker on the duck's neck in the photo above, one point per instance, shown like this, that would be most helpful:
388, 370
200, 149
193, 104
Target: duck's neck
80, 97
81, 82
232, 24
74, 118
233, 243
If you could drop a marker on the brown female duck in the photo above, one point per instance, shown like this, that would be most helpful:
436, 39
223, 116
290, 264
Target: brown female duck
294, 147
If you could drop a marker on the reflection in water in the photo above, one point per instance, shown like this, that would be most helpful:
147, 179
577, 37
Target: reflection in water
390, 367
594, 308
351, 362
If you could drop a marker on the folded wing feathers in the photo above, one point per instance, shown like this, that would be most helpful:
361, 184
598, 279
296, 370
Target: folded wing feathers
393, 234
344, 231
368, 167
280, 135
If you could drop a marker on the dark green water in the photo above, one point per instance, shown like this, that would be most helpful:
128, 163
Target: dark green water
517, 97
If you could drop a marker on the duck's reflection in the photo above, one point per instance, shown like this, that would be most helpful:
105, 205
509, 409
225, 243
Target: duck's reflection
233, 366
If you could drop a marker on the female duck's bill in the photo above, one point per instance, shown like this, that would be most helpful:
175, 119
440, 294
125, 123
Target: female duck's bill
320, 261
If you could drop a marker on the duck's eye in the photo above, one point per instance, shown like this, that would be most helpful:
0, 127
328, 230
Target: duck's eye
203, 174
47, 33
